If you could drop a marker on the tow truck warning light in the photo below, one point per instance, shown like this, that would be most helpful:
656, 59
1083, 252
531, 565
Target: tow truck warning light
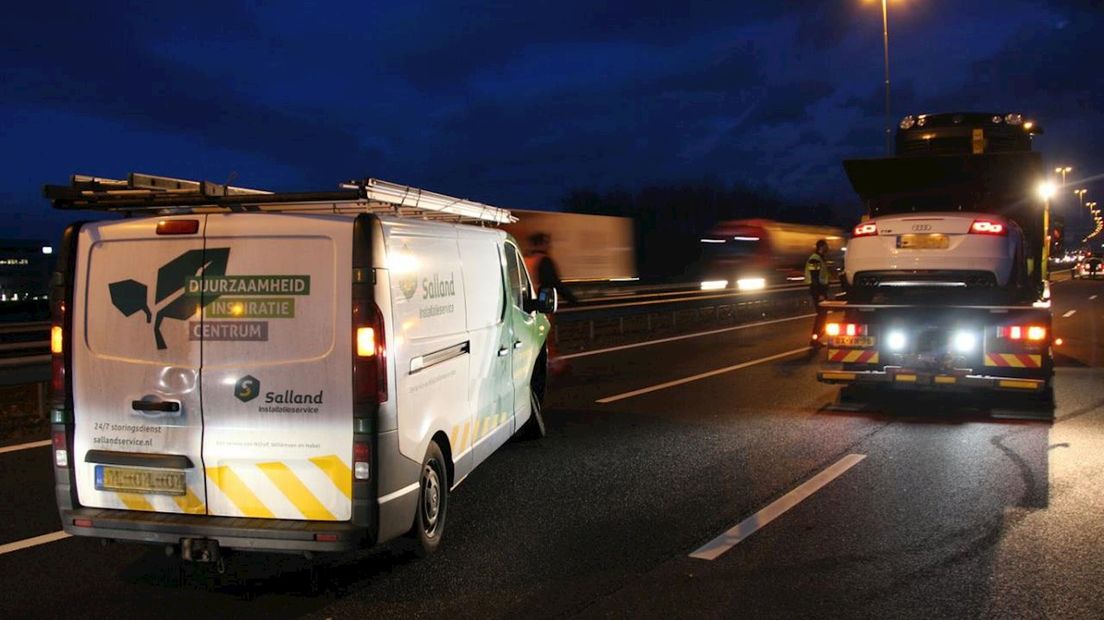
1033, 333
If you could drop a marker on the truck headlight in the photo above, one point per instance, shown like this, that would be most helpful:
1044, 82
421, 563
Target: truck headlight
964, 341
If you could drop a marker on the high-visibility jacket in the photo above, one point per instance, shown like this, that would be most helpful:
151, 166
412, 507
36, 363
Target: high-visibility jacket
816, 270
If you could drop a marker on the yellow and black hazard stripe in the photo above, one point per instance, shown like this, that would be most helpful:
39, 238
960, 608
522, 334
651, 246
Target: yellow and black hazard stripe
1013, 360
853, 356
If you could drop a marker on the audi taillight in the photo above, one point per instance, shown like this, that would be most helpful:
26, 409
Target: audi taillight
866, 229
369, 354
988, 227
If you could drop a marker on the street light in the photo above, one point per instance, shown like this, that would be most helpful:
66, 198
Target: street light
1046, 191
1081, 194
885, 45
1063, 170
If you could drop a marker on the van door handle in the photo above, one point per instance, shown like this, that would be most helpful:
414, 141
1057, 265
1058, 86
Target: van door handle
502, 351
165, 406
517, 344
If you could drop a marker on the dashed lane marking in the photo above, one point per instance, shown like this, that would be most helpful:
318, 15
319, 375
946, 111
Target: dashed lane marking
704, 375
32, 542
716, 547
25, 446
1069, 314
683, 337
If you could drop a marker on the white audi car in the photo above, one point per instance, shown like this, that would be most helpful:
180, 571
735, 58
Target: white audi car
936, 249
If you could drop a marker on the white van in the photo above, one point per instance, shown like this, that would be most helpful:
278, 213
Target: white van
284, 372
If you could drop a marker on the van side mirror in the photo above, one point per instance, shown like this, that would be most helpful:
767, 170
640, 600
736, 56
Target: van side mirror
547, 301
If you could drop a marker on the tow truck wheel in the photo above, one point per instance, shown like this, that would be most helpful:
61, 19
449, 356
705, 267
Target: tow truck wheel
433, 489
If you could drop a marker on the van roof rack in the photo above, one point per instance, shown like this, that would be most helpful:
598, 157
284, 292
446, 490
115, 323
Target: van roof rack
157, 195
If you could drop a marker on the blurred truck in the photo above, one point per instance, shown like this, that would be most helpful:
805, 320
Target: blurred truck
586, 248
753, 253
948, 286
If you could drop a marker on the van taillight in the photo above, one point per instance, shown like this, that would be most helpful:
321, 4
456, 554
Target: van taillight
57, 352
61, 449
369, 354
362, 460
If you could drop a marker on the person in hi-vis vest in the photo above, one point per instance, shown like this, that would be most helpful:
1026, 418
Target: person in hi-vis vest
543, 269
816, 276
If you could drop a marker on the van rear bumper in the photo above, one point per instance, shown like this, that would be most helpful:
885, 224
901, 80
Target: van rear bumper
230, 532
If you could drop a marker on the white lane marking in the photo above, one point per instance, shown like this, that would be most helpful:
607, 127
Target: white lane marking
1092, 297
683, 337
1069, 314
711, 373
33, 542
714, 548
26, 446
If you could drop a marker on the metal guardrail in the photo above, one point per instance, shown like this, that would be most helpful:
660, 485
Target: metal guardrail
23, 344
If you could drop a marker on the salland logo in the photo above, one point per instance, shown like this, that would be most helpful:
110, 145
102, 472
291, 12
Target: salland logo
439, 287
247, 388
170, 298
408, 283
291, 397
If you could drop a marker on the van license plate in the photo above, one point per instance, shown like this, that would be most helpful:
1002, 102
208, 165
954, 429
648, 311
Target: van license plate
851, 341
923, 242
132, 480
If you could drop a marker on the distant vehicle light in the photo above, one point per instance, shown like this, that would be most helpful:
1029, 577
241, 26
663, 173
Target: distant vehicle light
865, 230
965, 341
47, 249
714, 285
1028, 125
1058, 342
997, 120
1014, 119
746, 238
896, 340
751, 284
907, 122
712, 240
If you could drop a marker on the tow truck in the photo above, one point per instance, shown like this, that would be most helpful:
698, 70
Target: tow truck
926, 311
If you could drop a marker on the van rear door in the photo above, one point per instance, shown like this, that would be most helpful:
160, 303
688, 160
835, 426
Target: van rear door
277, 367
135, 361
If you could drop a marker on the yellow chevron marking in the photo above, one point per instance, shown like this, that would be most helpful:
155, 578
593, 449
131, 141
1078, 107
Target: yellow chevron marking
852, 356
292, 487
455, 436
189, 503
234, 489
1013, 361
336, 471
464, 437
133, 501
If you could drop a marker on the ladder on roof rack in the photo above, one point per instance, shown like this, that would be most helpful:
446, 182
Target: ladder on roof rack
156, 195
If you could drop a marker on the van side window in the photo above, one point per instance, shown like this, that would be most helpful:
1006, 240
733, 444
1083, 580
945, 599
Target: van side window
513, 273
526, 285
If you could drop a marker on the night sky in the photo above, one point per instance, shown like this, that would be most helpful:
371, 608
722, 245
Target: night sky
517, 103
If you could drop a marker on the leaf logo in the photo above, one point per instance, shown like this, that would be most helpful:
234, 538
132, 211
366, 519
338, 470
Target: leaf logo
170, 300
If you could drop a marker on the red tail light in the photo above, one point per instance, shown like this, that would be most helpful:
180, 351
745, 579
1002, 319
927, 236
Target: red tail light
988, 227
362, 460
865, 230
1031, 333
369, 354
61, 448
846, 329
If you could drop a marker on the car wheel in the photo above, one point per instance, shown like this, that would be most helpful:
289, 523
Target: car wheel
433, 491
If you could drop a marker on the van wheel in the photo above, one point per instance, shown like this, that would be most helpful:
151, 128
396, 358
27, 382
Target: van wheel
534, 426
433, 490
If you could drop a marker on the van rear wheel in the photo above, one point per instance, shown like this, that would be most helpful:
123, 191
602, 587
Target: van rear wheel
433, 491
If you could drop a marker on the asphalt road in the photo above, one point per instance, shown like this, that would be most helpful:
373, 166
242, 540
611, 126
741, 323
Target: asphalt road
949, 512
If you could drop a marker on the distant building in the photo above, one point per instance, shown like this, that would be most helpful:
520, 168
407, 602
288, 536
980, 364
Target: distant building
25, 268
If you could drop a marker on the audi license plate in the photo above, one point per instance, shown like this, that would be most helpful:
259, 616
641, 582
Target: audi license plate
923, 242
134, 480
864, 342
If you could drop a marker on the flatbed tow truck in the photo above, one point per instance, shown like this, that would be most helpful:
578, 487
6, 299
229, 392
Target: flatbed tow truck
935, 335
